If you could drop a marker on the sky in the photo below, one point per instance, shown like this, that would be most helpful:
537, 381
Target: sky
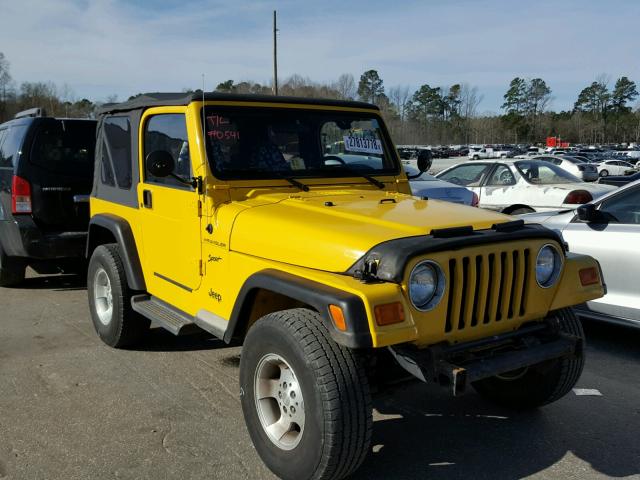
100, 48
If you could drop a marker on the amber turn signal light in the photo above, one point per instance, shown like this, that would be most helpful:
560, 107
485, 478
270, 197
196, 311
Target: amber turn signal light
389, 313
338, 317
589, 276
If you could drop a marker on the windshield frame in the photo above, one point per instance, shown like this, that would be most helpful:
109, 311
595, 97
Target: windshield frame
389, 151
556, 169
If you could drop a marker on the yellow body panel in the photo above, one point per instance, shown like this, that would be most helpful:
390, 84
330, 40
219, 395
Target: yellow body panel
209, 244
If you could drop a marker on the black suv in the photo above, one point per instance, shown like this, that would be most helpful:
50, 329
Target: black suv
46, 171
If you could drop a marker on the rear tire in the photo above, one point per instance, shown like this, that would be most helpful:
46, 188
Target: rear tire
539, 384
329, 434
12, 270
604, 173
115, 322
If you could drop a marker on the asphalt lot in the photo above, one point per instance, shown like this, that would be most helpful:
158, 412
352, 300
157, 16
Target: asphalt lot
72, 408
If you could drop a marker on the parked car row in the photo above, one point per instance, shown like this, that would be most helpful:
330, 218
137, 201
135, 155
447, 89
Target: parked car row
522, 186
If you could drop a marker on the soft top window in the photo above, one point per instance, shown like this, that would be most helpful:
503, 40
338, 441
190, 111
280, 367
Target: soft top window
116, 152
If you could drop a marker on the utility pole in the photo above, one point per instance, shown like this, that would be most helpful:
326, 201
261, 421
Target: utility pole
275, 55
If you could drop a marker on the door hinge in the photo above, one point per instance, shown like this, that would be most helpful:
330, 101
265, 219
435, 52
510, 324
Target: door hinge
200, 208
201, 266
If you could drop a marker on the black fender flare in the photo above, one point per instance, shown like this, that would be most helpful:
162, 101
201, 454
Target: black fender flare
121, 231
317, 295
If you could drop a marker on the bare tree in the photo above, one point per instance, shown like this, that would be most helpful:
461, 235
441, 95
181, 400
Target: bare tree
470, 99
399, 98
346, 86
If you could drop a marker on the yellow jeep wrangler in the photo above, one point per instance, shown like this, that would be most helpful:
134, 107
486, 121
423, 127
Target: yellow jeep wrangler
288, 224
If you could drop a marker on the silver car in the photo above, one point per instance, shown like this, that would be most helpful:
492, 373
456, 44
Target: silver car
428, 186
608, 229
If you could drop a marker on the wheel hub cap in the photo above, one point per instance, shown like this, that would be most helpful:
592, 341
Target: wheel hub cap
103, 296
279, 401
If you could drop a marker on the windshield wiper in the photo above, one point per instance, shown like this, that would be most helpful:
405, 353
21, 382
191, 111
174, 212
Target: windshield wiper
369, 178
294, 182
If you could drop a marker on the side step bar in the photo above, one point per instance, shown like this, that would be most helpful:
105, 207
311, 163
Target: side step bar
169, 318
176, 321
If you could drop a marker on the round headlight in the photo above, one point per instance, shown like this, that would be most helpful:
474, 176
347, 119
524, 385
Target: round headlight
426, 285
548, 264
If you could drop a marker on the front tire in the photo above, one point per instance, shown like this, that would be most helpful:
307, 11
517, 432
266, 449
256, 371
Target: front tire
114, 320
604, 173
12, 270
539, 384
305, 399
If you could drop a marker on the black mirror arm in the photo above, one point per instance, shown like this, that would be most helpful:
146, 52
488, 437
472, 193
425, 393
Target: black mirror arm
195, 182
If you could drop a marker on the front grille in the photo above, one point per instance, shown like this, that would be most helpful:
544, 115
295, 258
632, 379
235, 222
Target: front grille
487, 288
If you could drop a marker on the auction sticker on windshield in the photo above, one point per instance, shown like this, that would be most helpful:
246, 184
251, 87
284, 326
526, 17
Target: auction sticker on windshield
362, 145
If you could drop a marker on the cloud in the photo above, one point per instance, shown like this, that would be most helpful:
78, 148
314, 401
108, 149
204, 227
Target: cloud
101, 47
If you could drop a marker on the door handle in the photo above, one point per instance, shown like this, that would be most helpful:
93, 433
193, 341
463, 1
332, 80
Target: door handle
147, 199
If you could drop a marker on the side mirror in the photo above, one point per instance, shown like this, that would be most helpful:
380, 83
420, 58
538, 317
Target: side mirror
160, 163
425, 160
588, 213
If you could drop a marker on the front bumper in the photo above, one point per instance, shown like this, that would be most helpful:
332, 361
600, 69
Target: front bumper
457, 366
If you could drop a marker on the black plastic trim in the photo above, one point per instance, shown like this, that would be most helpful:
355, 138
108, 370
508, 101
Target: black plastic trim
391, 257
318, 295
173, 282
121, 231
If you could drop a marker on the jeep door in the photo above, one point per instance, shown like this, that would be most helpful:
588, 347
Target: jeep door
170, 207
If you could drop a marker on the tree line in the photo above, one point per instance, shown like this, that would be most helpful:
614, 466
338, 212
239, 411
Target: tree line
602, 113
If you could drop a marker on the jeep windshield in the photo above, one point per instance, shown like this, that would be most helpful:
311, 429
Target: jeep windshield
273, 143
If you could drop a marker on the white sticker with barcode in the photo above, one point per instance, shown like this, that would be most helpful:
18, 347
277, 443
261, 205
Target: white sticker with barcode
362, 145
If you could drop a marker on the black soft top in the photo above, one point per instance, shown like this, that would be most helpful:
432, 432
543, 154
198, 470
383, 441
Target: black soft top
147, 100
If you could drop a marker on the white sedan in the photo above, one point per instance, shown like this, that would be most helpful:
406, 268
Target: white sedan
609, 230
613, 167
522, 186
581, 169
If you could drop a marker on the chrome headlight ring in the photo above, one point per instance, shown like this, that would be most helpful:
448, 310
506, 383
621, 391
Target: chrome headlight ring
426, 286
549, 262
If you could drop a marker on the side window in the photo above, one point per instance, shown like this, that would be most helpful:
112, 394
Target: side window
10, 145
116, 152
624, 208
3, 133
168, 132
468, 175
501, 176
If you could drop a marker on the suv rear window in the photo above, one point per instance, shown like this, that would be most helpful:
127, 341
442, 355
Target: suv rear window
65, 146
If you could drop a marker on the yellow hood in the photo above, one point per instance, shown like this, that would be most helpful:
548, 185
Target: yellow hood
331, 230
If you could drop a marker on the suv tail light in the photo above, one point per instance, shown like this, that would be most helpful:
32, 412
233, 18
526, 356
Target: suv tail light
578, 196
475, 200
20, 195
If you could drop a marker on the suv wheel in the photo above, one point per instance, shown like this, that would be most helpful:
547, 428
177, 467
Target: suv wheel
539, 384
305, 399
12, 270
110, 299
